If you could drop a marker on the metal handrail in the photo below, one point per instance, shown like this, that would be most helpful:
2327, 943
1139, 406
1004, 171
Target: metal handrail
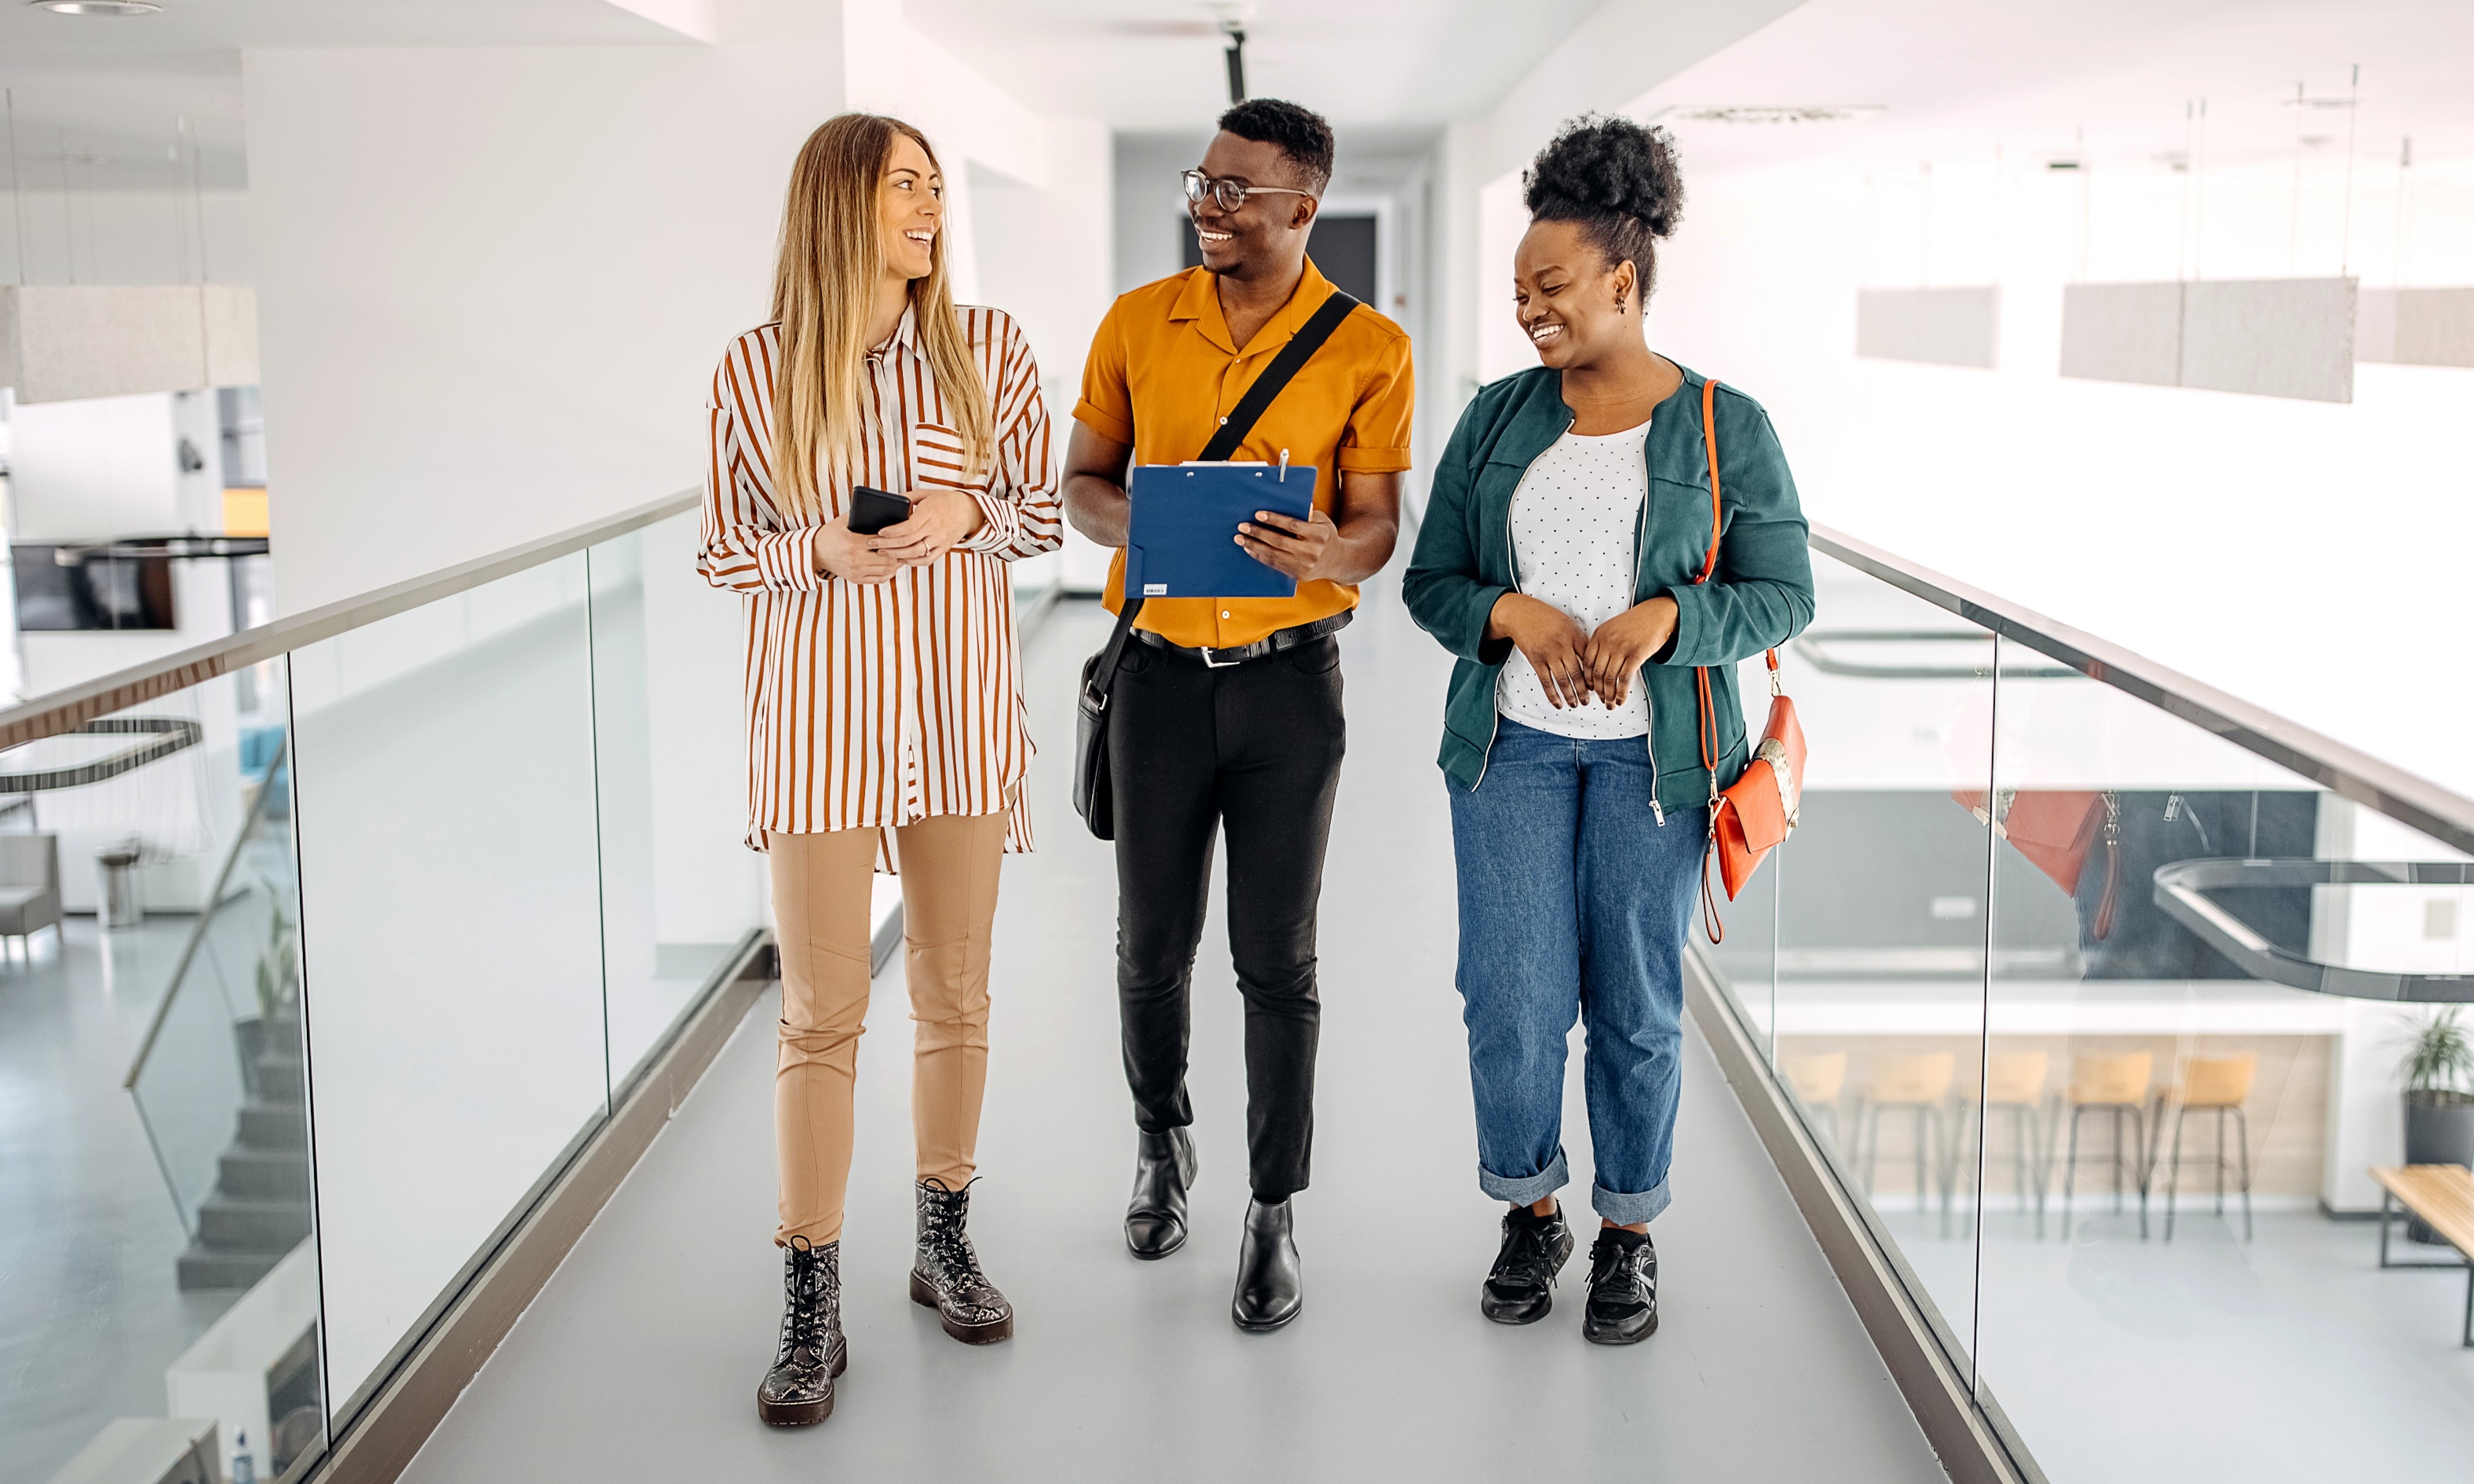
2349, 772
2182, 888
66, 711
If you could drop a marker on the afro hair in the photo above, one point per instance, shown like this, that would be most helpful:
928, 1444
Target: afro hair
1615, 179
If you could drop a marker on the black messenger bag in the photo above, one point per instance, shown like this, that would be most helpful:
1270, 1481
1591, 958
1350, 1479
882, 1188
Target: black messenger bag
1094, 797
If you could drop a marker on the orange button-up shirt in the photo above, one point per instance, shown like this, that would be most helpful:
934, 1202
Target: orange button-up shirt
1162, 373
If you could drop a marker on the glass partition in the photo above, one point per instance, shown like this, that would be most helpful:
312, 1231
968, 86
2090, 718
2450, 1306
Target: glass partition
422, 895
2110, 1024
450, 851
679, 888
1880, 937
2207, 1129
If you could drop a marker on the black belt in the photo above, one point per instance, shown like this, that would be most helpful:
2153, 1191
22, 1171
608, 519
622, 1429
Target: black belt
1270, 643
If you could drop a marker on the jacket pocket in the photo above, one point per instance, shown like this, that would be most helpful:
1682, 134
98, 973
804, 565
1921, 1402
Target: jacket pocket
938, 460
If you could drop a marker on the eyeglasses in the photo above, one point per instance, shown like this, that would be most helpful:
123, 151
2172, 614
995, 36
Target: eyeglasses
1231, 193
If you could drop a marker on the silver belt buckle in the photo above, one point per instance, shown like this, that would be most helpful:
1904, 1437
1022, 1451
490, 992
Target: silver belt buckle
1209, 663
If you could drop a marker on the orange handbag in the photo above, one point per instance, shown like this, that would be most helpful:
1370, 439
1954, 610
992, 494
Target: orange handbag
2057, 830
1750, 819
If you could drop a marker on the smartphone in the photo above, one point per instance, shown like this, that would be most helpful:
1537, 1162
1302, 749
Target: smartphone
873, 510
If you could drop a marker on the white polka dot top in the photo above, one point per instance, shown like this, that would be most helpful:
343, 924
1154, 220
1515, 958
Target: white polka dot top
1574, 520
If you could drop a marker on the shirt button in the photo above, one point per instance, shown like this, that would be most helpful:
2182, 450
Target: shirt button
1224, 613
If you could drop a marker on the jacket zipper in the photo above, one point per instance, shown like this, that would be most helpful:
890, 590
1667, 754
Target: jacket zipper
1495, 723
1641, 564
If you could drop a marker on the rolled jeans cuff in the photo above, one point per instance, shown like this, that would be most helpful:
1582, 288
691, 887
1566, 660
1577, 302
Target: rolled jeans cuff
1625, 1209
1530, 1189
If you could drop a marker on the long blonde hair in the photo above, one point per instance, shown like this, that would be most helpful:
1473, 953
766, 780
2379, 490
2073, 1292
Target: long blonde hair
824, 280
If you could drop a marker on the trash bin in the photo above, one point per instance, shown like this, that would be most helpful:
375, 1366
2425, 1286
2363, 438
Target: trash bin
123, 906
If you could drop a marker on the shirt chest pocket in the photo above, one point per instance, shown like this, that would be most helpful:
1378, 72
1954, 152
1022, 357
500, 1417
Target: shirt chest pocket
937, 461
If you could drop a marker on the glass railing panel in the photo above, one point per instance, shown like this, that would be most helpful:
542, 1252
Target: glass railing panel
2175, 1121
447, 832
679, 888
1879, 956
154, 1191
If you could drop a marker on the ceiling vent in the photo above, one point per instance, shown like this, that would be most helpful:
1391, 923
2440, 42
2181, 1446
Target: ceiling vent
1776, 113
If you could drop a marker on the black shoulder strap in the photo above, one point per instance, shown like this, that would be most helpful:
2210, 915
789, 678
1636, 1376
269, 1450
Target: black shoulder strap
1233, 428
1275, 376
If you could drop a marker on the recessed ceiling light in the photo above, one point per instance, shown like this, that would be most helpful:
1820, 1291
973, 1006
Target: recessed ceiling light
98, 6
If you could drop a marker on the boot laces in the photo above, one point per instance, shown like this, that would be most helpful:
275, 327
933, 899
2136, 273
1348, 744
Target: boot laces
944, 1233
813, 1311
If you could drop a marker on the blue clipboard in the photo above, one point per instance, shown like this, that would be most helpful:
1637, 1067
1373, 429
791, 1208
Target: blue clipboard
1182, 540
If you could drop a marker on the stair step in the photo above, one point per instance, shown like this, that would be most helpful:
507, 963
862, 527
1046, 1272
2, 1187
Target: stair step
274, 1126
206, 1268
264, 1174
279, 1089
228, 1225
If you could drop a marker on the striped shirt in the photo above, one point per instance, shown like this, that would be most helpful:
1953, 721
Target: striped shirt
880, 703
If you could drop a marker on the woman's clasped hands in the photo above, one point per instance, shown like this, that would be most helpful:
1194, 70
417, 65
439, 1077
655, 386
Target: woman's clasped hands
1573, 665
939, 520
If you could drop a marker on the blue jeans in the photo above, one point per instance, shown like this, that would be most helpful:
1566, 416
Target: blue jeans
1574, 901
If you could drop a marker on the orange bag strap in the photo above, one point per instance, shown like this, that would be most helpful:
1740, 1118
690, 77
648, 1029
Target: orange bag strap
1711, 924
1701, 675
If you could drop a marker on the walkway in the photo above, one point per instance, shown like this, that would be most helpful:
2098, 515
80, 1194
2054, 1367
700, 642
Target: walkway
640, 1359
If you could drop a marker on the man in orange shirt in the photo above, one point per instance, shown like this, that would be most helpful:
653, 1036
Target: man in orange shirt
1227, 715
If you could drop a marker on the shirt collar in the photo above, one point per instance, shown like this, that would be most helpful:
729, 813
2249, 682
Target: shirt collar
1199, 302
906, 331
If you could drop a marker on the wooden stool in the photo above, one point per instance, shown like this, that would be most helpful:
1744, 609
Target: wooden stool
1919, 1085
2014, 1083
2219, 1084
2116, 1085
1819, 1080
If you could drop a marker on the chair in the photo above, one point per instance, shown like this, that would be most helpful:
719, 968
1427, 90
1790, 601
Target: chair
2219, 1084
2116, 1085
1921, 1084
1819, 1080
30, 886
2014, 1083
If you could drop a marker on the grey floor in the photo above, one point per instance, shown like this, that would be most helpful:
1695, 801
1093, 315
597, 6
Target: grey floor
89, 1312
639, 1358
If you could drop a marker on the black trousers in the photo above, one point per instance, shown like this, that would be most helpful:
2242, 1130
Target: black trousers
1253, 750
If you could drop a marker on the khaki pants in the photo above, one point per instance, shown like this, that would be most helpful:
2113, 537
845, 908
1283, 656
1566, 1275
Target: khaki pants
820, 910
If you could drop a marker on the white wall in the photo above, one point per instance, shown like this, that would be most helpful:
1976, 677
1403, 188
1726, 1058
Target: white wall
2307, 555
487, 321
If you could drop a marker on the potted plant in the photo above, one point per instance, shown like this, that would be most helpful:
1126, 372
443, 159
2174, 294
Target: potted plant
2438, 1069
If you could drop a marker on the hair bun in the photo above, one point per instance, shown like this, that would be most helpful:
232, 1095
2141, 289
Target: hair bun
1599, 166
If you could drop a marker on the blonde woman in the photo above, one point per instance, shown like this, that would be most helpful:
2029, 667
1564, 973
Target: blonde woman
885, 721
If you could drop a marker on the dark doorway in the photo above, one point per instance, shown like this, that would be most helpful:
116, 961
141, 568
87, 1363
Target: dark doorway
1344, 249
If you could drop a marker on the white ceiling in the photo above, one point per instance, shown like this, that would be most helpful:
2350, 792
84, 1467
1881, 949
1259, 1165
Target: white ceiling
1156, 64
2036, 77
100, 95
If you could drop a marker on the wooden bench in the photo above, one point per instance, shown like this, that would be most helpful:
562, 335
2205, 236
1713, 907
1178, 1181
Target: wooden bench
2441, 1196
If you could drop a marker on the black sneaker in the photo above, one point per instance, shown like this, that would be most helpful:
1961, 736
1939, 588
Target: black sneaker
1520, 1288
1623, 1288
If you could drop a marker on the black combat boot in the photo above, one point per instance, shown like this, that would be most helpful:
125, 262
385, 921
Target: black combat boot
799, 1389
947, 1276
1164, 1167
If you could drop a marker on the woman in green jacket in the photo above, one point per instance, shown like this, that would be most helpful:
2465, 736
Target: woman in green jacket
1569, 520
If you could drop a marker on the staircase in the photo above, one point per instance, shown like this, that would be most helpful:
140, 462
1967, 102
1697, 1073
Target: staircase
259, 1208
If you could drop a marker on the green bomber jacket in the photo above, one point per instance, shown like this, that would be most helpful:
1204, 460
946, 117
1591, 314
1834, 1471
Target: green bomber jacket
1759, 596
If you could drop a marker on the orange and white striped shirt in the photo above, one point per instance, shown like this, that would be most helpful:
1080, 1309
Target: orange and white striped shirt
882, 703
